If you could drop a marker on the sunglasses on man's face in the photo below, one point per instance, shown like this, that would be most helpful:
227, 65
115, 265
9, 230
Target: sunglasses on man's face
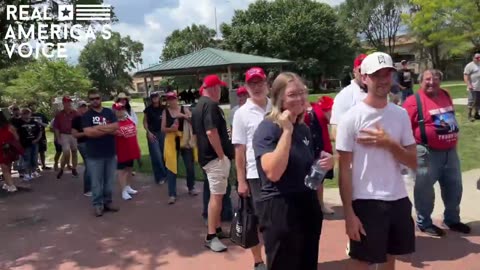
94, 98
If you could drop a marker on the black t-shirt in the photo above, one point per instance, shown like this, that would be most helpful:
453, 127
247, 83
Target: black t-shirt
27, 131
77, 125
100, 147
405, 78
15, 121
300, 158
41, 118
170, 120
154, 118
207, 115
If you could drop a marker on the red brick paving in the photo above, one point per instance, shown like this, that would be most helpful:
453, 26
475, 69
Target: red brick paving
52, 227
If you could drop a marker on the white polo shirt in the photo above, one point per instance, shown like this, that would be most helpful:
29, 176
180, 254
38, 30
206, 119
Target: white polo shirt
345, 100
245, 123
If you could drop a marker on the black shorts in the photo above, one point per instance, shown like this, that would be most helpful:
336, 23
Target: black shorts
58, 147
124, 165
42, 146
389, 227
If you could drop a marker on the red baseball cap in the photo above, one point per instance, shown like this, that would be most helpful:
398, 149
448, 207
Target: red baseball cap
212, 80
118, 106
326, 103
242, 90
358, 61
255, 72
171, 95
66, 99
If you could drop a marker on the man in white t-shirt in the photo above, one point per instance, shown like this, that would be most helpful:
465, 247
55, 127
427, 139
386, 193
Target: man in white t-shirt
245, 122
348, 96
373, 139
471, 76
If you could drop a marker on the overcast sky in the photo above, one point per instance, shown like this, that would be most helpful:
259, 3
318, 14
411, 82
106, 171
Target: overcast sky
151, 21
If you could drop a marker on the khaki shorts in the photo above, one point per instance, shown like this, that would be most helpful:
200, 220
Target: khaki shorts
68, 142
217, 174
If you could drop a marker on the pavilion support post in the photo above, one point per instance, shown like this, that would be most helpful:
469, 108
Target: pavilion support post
152, 82
232, 96
146, 85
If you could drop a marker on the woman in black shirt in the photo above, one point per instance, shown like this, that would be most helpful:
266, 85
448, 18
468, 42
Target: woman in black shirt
289, 212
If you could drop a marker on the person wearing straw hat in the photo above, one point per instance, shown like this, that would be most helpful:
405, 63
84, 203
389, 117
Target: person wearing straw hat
125, 101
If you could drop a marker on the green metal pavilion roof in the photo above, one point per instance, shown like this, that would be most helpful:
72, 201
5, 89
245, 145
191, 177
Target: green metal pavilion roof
209, 60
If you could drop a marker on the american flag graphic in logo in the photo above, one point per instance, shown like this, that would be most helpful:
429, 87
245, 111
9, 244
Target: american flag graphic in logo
93, 12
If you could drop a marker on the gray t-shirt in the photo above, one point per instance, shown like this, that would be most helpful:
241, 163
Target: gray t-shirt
473, 70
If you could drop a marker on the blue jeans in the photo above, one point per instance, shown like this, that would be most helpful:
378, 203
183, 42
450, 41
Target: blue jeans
87, 183
102, 175
156, 156
187, 156
406, 93
227, 208
444, 167
30, 158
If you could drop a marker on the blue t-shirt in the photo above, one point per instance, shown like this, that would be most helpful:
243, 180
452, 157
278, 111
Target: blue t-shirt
300, 158
100, 147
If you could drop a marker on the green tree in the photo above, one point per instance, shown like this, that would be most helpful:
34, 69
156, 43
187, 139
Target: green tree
445, 27
52, 12
303, 31
188, 40
375, 21
42, 80
108, 62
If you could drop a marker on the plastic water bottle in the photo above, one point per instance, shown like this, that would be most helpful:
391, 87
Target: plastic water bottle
316, 176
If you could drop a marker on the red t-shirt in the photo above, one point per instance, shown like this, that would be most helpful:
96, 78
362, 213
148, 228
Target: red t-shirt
126, 141
441, 126
322, 119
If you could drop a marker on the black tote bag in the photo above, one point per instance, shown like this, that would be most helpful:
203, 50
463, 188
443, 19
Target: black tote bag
244, 228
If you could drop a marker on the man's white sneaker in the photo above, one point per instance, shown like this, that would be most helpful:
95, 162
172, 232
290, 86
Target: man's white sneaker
130, 190
126, 196
5, 186
35, 175
12, 188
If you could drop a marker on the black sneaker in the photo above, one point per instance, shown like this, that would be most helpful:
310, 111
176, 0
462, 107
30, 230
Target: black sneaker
60, 173
46, 168
433, 231
74, 172
460, 227
110, 208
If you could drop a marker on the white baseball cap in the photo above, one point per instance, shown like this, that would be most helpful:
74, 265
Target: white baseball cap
376, 61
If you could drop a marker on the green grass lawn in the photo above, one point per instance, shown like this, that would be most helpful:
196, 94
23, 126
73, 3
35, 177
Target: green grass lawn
469, 145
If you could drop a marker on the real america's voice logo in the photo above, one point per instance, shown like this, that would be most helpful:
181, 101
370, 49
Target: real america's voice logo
36, 35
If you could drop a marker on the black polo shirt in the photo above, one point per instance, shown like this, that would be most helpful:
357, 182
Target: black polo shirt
300, 159
208, 115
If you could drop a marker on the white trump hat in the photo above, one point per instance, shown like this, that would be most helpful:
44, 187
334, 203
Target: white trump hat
376, 61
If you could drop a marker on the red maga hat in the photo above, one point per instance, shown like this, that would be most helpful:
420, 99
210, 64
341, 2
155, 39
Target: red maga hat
212, 80
242, 90
255, 72
358, 61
